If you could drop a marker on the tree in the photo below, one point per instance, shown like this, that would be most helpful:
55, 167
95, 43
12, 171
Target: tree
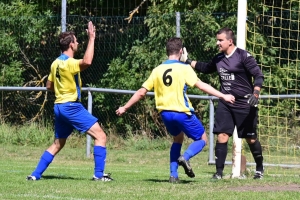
21, 38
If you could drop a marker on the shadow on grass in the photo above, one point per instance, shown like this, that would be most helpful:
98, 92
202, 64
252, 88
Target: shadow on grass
167, 181
61, 177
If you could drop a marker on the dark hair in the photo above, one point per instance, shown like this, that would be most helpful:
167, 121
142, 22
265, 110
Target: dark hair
65, 39
228, 32
173, 46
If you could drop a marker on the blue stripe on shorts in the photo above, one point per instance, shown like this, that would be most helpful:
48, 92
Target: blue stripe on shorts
72, 115
176, 122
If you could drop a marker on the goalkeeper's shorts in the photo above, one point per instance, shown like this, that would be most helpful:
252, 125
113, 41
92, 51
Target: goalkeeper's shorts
70, 116
245, 120
176, 122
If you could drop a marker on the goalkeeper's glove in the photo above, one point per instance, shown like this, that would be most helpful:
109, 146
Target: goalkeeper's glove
184, 57
253, 98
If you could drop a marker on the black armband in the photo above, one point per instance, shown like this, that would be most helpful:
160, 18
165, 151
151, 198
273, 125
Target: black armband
259, 81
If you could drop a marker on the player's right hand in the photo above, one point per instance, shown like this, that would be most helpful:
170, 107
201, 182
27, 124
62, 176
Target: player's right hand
120, 111
229, 98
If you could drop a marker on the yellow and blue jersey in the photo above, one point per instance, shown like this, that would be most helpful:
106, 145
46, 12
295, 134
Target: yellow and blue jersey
65, 74
170, 81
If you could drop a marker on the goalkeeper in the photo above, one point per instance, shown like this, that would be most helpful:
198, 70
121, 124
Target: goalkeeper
170, 81
236, 68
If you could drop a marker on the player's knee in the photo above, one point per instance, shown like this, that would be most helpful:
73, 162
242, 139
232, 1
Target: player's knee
57, 145
178, 138
251, 140
100, 135
204, 138
97, 132
222, 138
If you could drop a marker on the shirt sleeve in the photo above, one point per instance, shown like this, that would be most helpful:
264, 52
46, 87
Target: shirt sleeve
191, 77
252, 67
50, 77
149, 83
206, 68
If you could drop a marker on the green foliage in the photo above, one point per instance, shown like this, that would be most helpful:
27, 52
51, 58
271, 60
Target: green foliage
23, 33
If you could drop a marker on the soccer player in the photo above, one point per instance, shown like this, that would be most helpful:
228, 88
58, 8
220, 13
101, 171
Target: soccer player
64, 80
236, 68
170, 81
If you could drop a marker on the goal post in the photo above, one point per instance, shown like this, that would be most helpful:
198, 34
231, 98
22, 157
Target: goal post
241, 43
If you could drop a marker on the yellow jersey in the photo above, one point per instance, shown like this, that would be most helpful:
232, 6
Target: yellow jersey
65, 74
170, 81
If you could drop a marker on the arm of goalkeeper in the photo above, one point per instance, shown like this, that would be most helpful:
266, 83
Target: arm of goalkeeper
184, 56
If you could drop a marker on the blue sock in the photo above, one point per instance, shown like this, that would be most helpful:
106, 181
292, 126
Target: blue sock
194, 149
174, 155
99, 158
45, 160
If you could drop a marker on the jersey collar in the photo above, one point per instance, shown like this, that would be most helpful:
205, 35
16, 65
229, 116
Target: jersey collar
63, 57
172, 61
227, 56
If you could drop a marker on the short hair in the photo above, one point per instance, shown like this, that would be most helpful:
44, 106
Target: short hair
173, 46
228, 32
64, 40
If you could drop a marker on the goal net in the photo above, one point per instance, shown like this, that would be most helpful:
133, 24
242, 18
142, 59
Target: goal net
273, 39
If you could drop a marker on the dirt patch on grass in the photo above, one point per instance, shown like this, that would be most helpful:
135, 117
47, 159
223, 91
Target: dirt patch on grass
267, 188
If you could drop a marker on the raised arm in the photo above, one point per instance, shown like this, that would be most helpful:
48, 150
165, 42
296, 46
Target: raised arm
203, 67
89, 53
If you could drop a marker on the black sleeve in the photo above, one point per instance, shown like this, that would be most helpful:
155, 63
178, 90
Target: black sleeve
206, 68
252, 67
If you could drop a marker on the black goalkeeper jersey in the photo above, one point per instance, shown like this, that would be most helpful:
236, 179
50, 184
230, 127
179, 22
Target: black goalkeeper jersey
235, 74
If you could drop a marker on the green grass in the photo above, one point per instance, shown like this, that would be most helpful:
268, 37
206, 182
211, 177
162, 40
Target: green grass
138, 174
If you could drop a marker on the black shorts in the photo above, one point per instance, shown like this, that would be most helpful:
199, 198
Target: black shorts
245, 120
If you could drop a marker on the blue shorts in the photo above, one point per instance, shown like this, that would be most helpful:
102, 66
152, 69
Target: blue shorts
72, 115
176, 122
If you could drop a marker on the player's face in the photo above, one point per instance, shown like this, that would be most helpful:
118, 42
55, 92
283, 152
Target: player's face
223, 43
74, 44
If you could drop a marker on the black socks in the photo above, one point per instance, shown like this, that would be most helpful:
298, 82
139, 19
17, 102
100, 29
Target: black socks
256, 151
220, 156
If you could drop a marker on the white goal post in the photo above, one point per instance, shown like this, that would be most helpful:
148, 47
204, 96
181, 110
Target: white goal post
241, 43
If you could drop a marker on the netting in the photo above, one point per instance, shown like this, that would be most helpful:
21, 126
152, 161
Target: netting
273, 37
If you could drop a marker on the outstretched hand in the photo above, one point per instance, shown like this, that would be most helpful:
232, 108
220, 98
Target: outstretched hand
229, 98
91, 31
120, 111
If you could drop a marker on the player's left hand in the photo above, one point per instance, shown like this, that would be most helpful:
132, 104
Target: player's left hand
253, 98
120, 111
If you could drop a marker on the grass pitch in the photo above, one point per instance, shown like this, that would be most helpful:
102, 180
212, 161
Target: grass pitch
137, 174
